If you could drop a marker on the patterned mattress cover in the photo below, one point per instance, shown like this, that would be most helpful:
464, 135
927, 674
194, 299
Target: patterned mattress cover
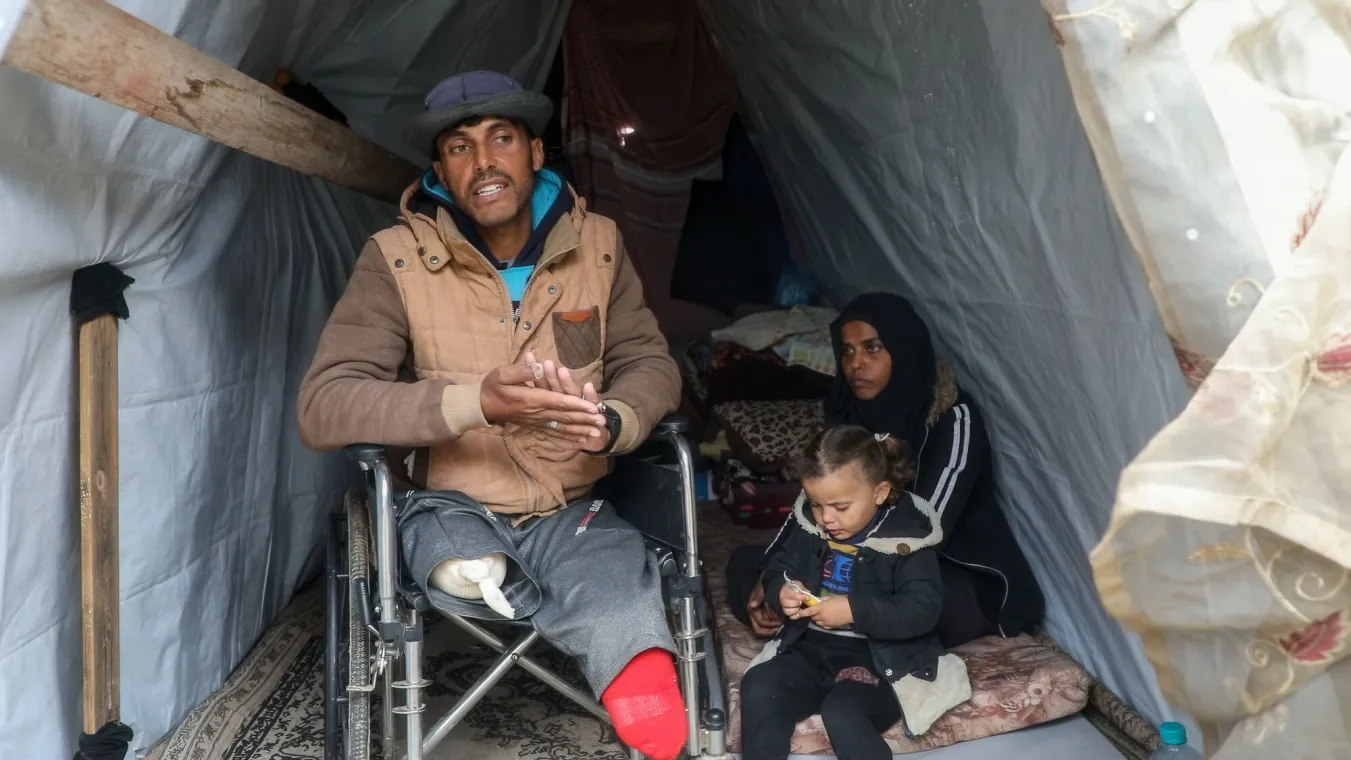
1015, 683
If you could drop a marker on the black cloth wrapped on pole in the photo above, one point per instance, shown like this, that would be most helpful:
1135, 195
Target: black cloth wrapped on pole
108, 743
97, 290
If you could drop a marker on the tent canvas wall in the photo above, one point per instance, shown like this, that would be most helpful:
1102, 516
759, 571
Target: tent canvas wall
938, 154
929, 148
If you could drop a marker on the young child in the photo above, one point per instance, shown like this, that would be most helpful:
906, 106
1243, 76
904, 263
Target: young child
852, 573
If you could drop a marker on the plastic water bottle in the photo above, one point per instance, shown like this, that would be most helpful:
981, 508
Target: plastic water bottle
1174, 736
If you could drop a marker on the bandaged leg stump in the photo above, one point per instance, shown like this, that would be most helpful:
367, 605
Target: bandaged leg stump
479, 578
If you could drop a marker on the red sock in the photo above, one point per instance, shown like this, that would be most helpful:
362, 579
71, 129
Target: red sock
644, 703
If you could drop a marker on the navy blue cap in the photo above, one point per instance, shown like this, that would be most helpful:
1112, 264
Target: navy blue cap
475, 93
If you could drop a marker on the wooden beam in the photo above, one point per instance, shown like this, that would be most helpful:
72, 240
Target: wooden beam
102, 51
98, 519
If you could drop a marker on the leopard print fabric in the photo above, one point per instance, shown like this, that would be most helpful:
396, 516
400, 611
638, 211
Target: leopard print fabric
766, 434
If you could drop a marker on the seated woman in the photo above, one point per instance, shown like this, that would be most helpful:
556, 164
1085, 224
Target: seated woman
888, 381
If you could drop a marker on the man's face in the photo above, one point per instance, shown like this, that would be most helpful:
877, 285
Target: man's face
489, 169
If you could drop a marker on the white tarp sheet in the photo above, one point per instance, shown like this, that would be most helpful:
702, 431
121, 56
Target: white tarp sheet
237, 263
932, 148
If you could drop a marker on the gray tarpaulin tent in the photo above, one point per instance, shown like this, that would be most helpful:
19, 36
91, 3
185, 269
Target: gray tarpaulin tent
931, 148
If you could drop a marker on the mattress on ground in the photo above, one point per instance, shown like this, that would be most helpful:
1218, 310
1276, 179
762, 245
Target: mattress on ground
1072, 738
1015, 682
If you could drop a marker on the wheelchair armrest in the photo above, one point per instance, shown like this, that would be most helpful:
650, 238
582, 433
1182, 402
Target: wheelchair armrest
670, 426
365, 453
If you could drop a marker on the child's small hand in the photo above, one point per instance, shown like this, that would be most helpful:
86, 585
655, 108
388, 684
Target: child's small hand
791, 600
831, 613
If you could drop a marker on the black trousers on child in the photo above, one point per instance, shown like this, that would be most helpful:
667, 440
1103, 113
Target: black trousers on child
825, 674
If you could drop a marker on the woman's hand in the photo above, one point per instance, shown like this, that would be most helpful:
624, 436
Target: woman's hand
764, 621
790, 600
834, 612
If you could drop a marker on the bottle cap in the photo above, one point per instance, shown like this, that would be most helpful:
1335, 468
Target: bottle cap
1173, 733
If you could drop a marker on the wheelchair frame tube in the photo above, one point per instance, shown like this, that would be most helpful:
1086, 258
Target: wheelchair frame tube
478, 691
386, 549
412, 685
687, 619
387, 541
687, 646
688, 504
535, 669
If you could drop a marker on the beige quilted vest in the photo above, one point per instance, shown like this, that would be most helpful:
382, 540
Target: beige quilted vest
461, 327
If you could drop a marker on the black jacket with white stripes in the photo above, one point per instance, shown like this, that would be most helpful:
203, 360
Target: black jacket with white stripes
955, 475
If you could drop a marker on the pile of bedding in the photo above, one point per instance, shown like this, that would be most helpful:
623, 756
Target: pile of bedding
773, 355
755, 389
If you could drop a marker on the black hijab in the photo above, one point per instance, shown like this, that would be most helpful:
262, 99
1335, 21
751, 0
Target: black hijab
902, 407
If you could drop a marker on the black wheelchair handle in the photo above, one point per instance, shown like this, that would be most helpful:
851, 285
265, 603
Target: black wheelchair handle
365, 453
670, 426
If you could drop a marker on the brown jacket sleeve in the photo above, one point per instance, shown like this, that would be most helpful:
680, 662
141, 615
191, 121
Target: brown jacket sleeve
642, 381
352, 393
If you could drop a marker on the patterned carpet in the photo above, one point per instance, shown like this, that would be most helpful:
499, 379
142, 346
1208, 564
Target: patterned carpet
272, 707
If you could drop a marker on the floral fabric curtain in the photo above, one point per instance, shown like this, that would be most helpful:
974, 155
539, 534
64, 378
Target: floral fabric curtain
1221, 129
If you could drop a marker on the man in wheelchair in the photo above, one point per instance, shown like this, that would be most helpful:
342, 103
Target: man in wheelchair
498, 331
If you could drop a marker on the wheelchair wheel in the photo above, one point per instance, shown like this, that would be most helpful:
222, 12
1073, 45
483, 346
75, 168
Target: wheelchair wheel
357, 733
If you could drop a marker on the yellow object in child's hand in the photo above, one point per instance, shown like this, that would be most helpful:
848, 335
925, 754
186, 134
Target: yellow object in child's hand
812, 599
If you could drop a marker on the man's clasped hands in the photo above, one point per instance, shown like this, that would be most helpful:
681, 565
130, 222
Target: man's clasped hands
544, 398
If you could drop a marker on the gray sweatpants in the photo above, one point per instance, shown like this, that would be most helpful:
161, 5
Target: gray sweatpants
582, 575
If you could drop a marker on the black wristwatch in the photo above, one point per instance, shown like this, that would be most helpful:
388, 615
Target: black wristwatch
613, 424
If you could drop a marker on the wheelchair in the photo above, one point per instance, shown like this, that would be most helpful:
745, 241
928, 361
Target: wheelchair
375, 615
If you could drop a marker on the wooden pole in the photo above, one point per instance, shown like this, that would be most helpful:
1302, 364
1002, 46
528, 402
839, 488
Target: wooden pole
104, 52
98, 519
